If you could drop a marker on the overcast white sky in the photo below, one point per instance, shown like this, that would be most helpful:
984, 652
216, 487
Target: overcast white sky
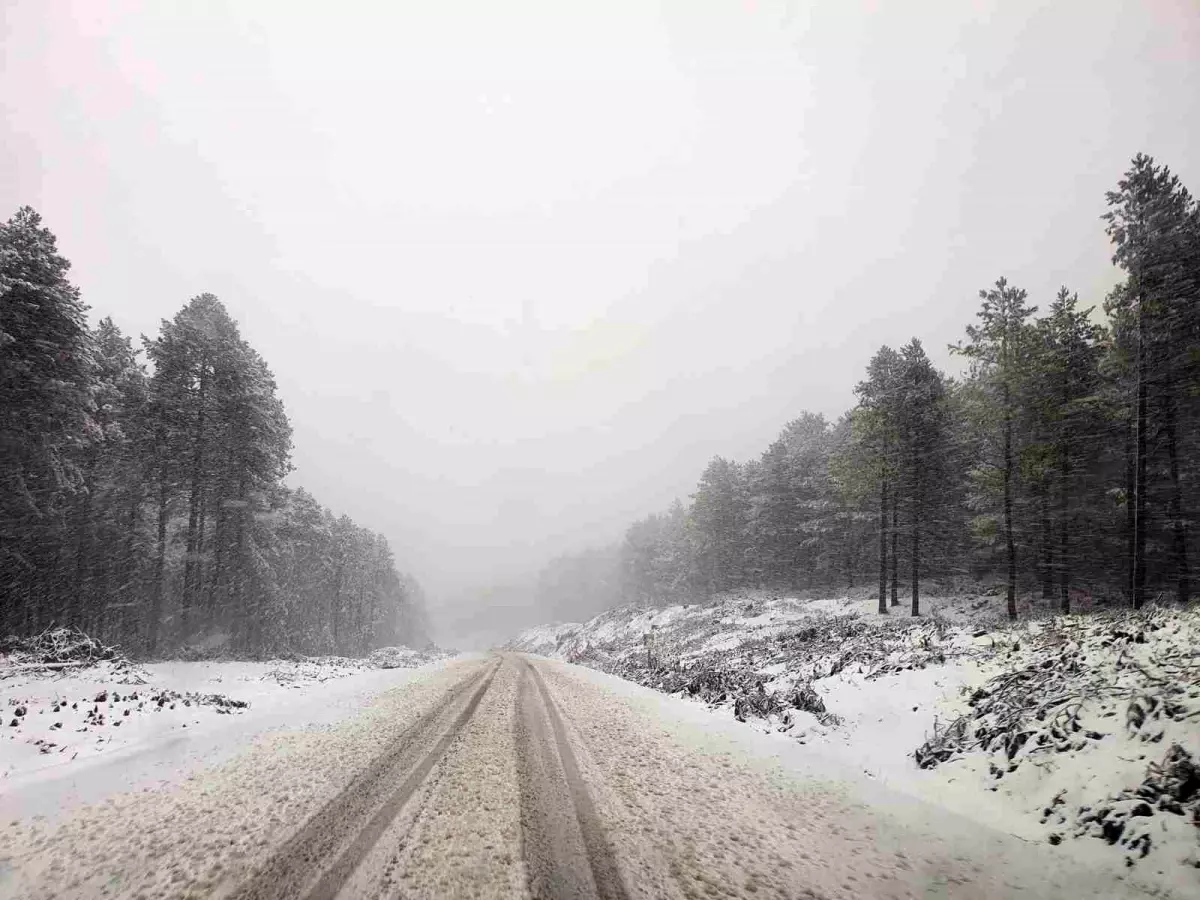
522, 268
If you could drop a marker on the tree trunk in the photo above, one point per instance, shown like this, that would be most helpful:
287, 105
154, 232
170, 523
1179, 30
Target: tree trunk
1139, 506
201, 572
916, 536
220, 606
1008, 517
1130, 507
192, 550
916, 563
83, 550
237, 576
335, 608
1047, 540
895, 555
1139, 514
216, 597
156, 598
129, 584
1064, 534
883, 560
1175, 508
191, 577
108, 625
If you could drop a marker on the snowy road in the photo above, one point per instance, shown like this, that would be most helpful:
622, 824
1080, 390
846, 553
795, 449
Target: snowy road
513, 777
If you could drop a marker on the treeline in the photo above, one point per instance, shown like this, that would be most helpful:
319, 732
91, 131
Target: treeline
141, 498
1063, 462
579, 585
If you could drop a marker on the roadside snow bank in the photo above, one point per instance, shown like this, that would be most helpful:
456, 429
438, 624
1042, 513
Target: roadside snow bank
829, 798
77, 734
163, 822
1053, 728
1093, 726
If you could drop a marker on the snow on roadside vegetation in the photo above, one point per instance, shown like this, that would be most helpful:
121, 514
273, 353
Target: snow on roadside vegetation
66, 697
1054, 728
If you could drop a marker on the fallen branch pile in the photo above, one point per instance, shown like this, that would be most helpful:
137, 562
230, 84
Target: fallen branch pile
399, 658
715, 685
57, 650
821, 647
1128, 677
827, 645
1132, 818
1078, 676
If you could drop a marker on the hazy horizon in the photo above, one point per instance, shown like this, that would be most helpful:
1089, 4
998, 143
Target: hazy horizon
520, 274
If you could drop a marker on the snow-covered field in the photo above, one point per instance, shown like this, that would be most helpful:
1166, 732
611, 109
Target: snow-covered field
1080, 732
76, 735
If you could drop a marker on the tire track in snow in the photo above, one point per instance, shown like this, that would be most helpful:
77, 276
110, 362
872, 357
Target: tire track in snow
567, 853
349, 825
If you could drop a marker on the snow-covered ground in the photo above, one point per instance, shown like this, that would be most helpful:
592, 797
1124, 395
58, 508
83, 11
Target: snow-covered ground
835, 800
1069, 713
80, 734
682, 801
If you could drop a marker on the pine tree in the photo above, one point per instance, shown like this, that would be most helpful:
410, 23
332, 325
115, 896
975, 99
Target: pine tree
791, 514
44, 363
1151, 221
218, 413
923, 447
877, 438
1064, 364
998, 348
109, 558
719, 511
98, 461
1063, 427
852, 529
675, 566
254, 443
640, 551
